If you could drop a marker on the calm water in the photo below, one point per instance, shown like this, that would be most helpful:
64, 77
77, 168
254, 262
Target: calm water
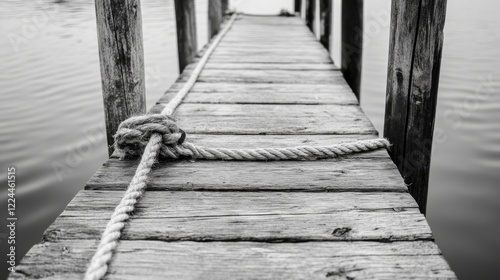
52, 117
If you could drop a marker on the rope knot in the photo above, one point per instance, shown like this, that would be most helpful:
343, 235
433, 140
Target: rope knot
134, 133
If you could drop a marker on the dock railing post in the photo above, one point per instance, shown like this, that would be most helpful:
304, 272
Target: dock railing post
416, 42
325, 32
352, 43
224, 6
214, 17
310, 13
119, 28
185, 16
297, 6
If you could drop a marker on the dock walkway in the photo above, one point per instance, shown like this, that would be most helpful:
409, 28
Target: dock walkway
269, 83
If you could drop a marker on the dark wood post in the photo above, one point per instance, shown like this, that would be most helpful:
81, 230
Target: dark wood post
325, 13
214, 17
310, 13
224, 5
352, 43
415, 49
298, 4
119, 28
187, 46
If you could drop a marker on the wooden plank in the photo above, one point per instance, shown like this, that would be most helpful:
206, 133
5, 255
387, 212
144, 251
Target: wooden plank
119, 28
240, 93
412, 87
242, 260
357, 174
267, 52
352, 43
357, 225
269, 76
269, 59
90, 203
272, 66
187, 45
271, 119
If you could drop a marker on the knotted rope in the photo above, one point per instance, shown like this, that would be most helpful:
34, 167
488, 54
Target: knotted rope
156, 135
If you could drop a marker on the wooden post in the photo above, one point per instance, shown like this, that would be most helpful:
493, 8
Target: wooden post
214, 17
186, 32
119, 28
298, 4
310, 11
325, 13
415, 49
224, 5
352, 43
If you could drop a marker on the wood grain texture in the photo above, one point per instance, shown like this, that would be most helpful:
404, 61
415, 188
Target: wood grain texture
325, 32
356, 174
119, 34
272, 119
242, 260
187, 45
258, 217
352, 43
412, 89
257, 93
214, 17
344, 218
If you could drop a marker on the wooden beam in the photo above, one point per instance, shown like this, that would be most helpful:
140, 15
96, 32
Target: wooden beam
352, 43
214, 17
310, 12
298, 4
224, 6
325, 13
412, 85
186, 32
119, 28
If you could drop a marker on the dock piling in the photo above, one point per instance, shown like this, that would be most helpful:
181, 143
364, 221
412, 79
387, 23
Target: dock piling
352, 43
119, 28
415, 49
214, 17
187, 46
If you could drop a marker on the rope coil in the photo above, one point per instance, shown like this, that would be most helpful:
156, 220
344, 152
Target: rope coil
157, 135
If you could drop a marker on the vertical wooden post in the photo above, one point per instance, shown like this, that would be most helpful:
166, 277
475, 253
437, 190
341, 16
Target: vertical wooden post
325, 32
298, 4
186, 32
415, 49
310, 11
224, 5
119, 28
352, 43
214, 17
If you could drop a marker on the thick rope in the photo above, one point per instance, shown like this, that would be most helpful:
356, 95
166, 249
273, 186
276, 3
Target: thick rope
156, 135
98, 266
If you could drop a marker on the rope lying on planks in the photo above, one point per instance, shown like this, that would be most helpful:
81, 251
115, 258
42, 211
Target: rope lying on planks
134, 134
158, 135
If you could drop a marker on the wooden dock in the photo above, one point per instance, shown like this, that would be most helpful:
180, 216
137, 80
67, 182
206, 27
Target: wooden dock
269, 83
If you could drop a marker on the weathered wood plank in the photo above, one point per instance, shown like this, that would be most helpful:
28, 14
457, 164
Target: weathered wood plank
267, 52
241, 93
271, 119
175, 204
242, 260
412, 86
272, 66
269, 76
270, 59
187, 45
119, 29
376, 174
214, 17
352, 43
361, 225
